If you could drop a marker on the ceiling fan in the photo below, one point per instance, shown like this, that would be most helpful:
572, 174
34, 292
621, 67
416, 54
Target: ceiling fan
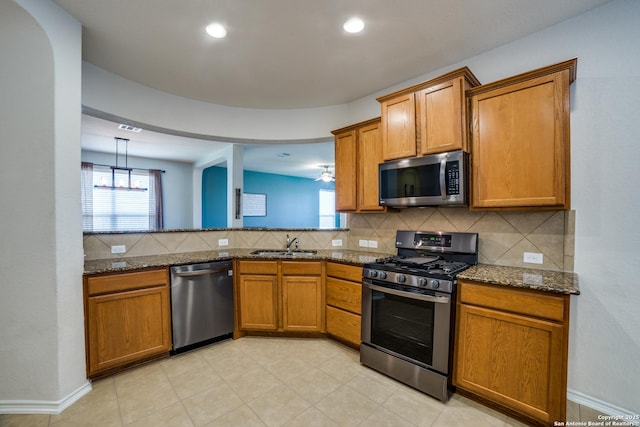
326, 176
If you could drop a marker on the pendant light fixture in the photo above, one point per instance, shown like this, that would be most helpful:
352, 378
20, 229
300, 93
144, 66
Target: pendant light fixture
121, 176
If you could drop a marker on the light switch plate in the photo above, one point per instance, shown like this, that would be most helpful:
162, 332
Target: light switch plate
373, 243
363, 243
532, 258
223, 242
336, 242
118, 249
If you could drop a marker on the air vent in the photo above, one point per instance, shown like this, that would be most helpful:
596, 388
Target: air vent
129, 128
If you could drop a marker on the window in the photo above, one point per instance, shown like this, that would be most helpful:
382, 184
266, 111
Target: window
107, 208
327, 209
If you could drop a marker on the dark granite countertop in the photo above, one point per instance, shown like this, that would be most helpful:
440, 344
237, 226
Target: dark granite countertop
527, 278
134, 263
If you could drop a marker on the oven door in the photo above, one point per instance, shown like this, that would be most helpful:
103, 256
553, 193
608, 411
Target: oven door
410, 325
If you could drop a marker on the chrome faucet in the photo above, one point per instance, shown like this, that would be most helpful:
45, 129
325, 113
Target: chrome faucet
290, 242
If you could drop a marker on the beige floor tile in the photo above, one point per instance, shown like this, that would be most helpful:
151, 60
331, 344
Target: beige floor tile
417, 408
241, 416
211, 404
176, 366
24, 420
287, 368
589, 414
382, 417
278, 406
314, 385
194, 381
462, 411
312, 417
375, 386
573, 411
138, 400
346, 406
343, 367
253, 383
171, 416
233, 366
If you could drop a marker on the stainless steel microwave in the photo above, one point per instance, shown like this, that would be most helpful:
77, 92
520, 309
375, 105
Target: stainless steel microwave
436, 179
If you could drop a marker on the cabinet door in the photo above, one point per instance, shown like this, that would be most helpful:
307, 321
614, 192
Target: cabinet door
369, 156
441, 118
514, 360
520, 144
344, 325
302, 303
126, 327
345, 158
258, 297
399, 127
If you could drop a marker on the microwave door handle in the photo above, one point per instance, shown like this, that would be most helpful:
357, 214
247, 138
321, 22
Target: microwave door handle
443, 169
422, 297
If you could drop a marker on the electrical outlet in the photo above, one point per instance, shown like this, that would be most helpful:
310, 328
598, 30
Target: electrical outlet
532, 258
373, 243
336, 242
363, 243
118, 249
223, 242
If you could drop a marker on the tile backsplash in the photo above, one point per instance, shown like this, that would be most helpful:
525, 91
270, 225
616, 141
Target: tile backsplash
503, 236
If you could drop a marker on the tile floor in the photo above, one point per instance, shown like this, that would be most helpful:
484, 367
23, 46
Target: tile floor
257, 381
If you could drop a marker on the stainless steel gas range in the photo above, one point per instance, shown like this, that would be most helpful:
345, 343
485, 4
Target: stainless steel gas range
408, 304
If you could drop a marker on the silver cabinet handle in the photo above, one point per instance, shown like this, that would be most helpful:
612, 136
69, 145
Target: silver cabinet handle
200, 272
430, 298
443, 169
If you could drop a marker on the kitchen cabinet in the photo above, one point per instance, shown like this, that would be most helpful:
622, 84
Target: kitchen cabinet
127, 319
427, 118
344, 302
358, 150
280, 296
511, 349
520, 140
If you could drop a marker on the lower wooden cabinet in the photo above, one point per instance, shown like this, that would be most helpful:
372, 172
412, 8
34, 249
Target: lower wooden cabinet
511, 349
280, 296
344, 302
128, 319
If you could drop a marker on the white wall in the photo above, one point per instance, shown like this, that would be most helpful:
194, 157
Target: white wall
176, 185
42, 351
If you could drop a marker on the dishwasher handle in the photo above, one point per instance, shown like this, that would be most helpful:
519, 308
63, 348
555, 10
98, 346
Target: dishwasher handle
202, 272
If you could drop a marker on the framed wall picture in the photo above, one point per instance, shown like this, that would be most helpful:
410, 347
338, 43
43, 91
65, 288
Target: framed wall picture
254, 204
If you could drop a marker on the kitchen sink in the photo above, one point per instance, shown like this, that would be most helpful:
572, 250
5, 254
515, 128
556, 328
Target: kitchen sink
282, 252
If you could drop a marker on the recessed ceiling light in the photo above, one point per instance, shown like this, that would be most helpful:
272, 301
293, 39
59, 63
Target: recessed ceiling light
216, 30
353, 25
129, 128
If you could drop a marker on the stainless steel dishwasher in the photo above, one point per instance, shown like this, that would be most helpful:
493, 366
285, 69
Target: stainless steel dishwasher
201, 304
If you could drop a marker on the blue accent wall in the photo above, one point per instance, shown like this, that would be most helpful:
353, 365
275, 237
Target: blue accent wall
292, 202
214, 197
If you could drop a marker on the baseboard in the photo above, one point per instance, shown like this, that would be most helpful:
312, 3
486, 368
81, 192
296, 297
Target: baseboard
605, 408
43, 406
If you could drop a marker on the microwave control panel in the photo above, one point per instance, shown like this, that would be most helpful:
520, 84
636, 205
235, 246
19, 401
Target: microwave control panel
452, 178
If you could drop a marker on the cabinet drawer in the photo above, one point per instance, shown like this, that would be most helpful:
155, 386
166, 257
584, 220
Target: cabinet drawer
343, 324
258, 267
126, 281
343, 271
302, 268
345, 295
514, 300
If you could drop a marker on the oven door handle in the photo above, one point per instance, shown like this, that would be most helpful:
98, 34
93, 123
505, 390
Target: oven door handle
430, 298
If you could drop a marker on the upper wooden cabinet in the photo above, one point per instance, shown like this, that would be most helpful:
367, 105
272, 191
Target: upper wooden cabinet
520, 140
358, 150
427, 118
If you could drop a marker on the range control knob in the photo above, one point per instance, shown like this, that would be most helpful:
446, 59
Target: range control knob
401, 278
435, 284
422, 282
383, 275
373, 273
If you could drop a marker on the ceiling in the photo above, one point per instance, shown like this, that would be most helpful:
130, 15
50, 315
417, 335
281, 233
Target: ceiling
294, 53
